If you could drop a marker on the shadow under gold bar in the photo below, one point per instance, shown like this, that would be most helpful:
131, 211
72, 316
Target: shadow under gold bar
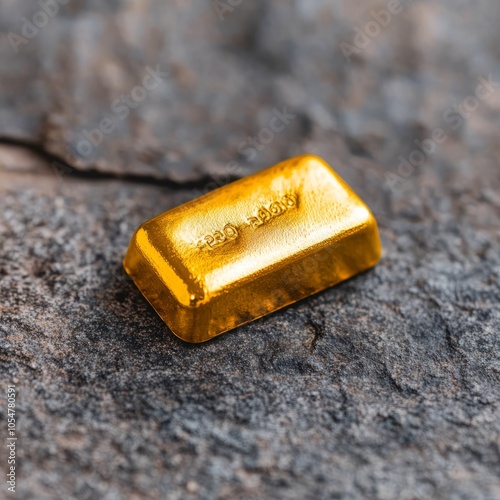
252, 247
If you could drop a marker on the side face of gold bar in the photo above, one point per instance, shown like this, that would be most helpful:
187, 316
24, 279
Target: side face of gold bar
251, 247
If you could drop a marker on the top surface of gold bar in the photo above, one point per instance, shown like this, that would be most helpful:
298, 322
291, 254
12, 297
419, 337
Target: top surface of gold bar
234, 241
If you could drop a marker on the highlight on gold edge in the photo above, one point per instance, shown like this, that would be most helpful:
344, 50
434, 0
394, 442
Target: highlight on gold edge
252, 247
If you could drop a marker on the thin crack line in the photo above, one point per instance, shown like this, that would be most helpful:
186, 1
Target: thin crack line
94, 174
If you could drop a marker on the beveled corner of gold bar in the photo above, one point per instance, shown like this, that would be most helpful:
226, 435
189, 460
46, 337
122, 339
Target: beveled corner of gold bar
252, 247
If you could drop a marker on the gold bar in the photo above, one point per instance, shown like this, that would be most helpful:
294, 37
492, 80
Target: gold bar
252, 247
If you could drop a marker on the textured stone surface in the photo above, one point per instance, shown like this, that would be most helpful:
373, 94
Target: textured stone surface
226, 77
386, 386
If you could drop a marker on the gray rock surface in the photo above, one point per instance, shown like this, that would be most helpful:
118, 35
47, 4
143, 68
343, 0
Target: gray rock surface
385, 387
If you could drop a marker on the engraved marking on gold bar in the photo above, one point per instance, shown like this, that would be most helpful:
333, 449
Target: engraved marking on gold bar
264, 214
218, 238
276, 208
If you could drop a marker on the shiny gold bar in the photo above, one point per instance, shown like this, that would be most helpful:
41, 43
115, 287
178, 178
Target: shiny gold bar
252, 247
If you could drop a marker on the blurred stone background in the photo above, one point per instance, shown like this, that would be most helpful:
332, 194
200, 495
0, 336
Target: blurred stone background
386, 386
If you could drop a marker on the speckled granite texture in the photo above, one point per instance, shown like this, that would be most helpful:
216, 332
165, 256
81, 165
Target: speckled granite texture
385, 387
